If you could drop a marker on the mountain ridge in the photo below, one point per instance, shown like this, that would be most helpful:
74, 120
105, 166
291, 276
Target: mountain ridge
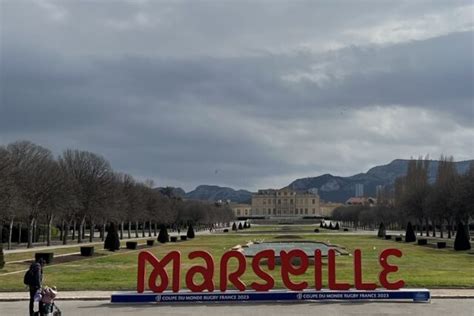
330, 187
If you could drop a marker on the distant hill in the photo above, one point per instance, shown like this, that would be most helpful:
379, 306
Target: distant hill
175, 192
339, 189
215, 193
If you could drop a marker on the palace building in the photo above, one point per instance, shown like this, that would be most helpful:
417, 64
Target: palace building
285, 202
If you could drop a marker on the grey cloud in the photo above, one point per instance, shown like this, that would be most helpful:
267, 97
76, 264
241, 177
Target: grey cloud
188, 90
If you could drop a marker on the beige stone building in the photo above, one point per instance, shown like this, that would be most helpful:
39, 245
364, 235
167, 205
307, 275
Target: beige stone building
328, 207
285, 203
240, 209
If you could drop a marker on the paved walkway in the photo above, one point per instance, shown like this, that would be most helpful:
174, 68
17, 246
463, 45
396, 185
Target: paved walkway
105, 295
458, 307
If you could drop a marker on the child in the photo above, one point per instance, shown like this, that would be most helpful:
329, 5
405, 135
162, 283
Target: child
49, 294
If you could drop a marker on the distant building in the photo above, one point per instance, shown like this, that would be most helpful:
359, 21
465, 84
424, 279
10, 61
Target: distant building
359, 189
240, 209
327, 208
378, 190
285, 202
361, 200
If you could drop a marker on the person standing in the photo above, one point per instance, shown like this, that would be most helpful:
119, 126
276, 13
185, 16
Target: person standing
34, 280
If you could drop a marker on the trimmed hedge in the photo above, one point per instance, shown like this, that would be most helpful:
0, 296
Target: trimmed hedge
422, 242
387, 237
316, 230
46, 256
410, 234
112, 241
184, 237
398, 238
461, 242
382, 232
131, 244
346, 229
441, 244
225, 230
190, 234
87, 251
150, 242
163, 236
174, 238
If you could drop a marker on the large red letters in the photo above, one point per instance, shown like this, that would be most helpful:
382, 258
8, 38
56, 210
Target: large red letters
234, 276
388, 268
288, 269
269, 282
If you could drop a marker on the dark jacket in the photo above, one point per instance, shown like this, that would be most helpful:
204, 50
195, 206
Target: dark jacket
37, 279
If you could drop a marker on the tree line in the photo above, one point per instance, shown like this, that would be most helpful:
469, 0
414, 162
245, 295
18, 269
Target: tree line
432, 207
79, 190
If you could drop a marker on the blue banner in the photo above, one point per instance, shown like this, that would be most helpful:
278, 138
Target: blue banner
416, 295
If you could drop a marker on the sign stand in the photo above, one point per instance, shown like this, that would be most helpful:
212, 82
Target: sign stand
167, 297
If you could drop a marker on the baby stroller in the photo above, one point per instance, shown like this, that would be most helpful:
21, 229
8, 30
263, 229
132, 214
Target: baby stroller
48, 294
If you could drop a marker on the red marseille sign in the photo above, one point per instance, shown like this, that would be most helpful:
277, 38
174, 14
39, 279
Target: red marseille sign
159, 279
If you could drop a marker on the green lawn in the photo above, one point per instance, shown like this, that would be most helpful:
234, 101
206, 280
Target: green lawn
419, 266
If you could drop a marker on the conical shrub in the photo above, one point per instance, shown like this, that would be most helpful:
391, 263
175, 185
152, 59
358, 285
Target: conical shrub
190, 232
112, 241
381, 233
240, 226
234, 226
163, 236
462, 239
337, 226
410, 234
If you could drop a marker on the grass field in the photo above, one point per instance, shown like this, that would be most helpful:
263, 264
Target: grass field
420, 266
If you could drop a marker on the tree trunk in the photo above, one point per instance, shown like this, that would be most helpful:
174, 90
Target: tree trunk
136, 229
30, 233
129, 229
154, 229
449, 229
66, 232
92, 229
10, 233
80, 232
73, 236
48, 233
441, 229
19, 233
434, 229
102, 231
121, 230
143, 229
61, 232
149, 229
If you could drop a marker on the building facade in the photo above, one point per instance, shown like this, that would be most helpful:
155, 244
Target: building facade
240, 209
285, 203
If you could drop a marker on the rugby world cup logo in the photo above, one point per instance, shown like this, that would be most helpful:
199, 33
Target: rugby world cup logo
158, 298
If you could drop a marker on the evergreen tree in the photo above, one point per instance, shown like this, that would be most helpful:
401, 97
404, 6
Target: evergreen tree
190, 232
337, 226
462, 238
382, 231
240, 226
248, 225
330, 225
234, 226
321, 224
410, 234
112, 241
163, 236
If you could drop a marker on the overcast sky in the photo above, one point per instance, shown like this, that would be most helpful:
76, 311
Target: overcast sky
247, 94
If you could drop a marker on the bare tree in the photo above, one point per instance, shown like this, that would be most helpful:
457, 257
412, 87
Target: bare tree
36, 179
92, 176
